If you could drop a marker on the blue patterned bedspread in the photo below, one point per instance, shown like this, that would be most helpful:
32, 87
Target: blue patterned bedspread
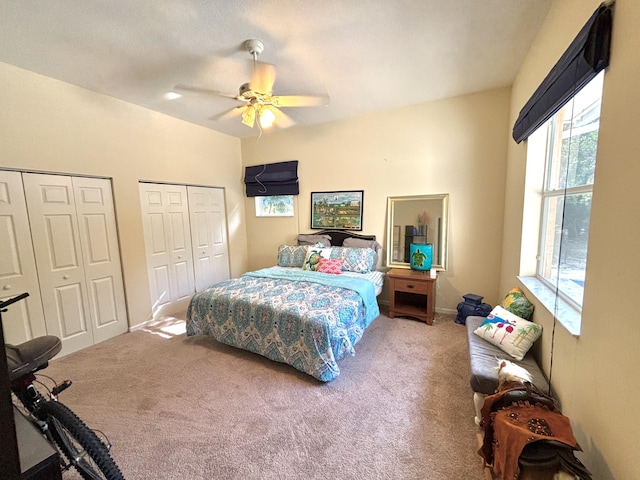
306, 319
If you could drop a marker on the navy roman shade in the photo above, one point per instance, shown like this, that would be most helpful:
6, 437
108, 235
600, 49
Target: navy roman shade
587, 55
272, 179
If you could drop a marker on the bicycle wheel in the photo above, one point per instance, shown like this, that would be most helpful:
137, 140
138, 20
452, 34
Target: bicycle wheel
79, 443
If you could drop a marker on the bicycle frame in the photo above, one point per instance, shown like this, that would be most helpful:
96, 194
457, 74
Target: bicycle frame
31, 399
31, 406
8, 438
77, 445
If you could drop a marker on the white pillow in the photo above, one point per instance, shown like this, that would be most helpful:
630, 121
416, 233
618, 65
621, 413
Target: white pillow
508, 332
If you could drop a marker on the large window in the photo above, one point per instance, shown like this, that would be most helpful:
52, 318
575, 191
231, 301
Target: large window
572, 139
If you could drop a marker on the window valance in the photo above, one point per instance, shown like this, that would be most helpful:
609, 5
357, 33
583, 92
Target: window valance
587, 55
272, 179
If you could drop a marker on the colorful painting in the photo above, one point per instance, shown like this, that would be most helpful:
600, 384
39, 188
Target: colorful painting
337, 210
274, 206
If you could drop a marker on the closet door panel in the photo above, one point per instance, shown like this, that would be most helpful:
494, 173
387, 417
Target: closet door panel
103, 270
54, 226
157, 231
161, 285
183, 279
202, 245
25, 319
156, 239
69, 306
209, 234
168, 242
220, 244
180, 242
62, 242
105, 308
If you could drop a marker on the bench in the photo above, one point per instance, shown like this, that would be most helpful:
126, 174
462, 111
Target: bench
483, 361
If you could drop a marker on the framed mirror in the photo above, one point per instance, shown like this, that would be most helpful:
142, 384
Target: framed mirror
417, 219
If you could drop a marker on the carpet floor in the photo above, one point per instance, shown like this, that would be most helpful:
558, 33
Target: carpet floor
177, 407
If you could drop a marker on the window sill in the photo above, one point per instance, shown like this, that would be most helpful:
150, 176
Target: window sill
567, 315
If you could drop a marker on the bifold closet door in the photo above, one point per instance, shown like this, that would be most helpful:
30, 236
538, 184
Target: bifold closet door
25, 319
75, 245
209, 235
165, 212
101, 256
54, 226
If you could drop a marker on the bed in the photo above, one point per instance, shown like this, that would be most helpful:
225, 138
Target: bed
294, 313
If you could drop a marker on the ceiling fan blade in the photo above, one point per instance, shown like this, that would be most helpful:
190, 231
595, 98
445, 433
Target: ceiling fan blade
282, 119
234, 112
300, 100
205, 91
264, 74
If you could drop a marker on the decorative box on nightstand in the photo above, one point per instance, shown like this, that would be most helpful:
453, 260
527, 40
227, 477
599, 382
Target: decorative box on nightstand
411, 294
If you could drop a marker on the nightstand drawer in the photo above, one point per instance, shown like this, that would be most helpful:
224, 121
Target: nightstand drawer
411, 286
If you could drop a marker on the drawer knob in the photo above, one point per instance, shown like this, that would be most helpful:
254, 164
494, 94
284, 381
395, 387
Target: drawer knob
409, 286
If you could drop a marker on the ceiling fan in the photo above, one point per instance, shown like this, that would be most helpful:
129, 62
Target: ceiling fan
256, 96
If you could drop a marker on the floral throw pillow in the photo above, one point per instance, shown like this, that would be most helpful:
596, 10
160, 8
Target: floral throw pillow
312, 259
330, 265
360, 243
517, 303
358, 260
291, 255
510, 333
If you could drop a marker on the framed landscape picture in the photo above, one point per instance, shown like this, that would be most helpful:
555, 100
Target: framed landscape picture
274, 206
337, 210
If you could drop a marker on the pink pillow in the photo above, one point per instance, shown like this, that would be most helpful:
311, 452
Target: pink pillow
330, 265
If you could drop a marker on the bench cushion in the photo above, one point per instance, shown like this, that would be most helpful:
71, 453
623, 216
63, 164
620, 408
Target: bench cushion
484, 360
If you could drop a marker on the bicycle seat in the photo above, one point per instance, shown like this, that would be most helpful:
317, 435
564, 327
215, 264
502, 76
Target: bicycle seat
31, 355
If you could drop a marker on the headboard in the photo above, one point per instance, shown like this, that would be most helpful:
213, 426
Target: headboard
338, 236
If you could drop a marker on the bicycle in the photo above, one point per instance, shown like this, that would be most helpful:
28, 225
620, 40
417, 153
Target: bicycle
77, 445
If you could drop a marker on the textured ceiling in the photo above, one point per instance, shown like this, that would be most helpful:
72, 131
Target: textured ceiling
366, 55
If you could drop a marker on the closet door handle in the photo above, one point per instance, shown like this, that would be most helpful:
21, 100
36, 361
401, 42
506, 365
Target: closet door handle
65, 277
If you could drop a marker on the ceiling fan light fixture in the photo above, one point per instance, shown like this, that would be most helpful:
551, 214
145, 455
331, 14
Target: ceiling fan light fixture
249, 116
267, 117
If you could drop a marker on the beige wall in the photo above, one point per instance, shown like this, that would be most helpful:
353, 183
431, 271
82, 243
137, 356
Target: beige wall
455, 146
51, 126
595, 374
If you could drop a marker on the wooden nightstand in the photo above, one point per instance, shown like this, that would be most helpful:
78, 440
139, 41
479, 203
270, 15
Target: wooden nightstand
411, 294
